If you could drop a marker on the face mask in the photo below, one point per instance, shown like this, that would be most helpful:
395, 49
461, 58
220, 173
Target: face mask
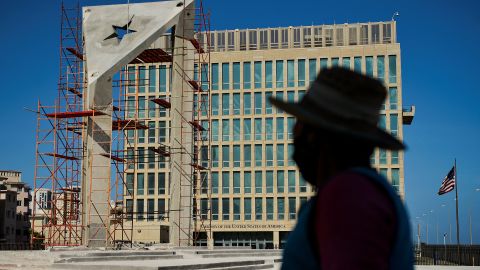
306, 158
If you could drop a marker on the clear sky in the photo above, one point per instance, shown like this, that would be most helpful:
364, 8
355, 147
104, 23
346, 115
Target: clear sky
440, 64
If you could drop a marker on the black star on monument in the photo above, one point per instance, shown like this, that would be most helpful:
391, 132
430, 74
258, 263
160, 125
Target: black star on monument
121, 31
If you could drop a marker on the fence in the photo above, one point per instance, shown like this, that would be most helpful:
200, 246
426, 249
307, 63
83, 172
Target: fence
447, 255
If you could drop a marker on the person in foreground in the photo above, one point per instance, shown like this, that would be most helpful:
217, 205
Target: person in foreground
356, 220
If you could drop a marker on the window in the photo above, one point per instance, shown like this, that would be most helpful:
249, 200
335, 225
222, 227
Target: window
236, 156
247, 155
226, 155
369, 65
291, 162
352, 36
225, 130
215, 182
269, 181
129, 184
151, 183
221, 41
247, 75
141, 107
247, 129
394, 124
301, 72
140, 183
225, 209
396, 179
328, 37
204, 182
280, 154
317, 41
269, 203
150, 209
290, 125
339, 37
204, 76
161, 183
258, 182
284, 38
258, 102
268, 104
215, 130
236, 209
279, 128
129, 208
302, 184
387, 33
236, 130
203, 208
312, 70
381, 67
258, 155
269, 155
258, 208
394, 158
279, 73
243, 40
151, 132
280, 208
290, 73
152, 78
375, 33
268, 74
214, 76
364, 34
307, 37
247, 182
258, 129
231, 41
162, 82
383, 156
346, 62
296, 37
247, 208
393, 97
225, 76
323, 63
225, 182
280, 181
214, 210
384, 173
269, 128
252, 39
214, 155
141, 79
215, 105
131, 79
140, 209
335, 62
292, 210
274, 38
357, 65
226, 104
257, 69
236, 182
236, 75
247, 103
263, 39
279, 95
382, 123
291, 181
392, 68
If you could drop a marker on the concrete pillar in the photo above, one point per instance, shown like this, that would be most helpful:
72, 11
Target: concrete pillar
276, 239
181, 193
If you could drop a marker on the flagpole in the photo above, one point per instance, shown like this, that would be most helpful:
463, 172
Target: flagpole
456, 200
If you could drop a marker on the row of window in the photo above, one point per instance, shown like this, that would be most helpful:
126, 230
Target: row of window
297, 37
225, 209
261, 74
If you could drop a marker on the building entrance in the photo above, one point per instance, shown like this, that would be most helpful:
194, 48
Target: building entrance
255, 240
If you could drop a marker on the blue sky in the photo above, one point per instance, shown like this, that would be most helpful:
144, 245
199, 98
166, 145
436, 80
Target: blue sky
439, 41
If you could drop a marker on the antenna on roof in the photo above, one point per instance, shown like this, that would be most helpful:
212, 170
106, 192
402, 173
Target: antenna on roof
395, 15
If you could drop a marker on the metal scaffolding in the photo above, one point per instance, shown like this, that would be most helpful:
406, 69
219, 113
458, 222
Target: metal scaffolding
61, 148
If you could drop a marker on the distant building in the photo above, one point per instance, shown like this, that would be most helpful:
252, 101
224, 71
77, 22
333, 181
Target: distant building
15, 209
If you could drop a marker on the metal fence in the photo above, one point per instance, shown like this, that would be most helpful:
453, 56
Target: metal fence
447, 255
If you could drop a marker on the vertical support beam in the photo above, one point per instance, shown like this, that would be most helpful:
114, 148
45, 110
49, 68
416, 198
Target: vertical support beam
181, 193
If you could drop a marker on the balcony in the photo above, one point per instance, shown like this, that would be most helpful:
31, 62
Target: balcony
408, 113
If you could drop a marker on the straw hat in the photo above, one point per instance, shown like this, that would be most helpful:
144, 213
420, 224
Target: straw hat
346, 102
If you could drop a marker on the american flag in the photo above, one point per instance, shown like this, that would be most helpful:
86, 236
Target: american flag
448, 183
